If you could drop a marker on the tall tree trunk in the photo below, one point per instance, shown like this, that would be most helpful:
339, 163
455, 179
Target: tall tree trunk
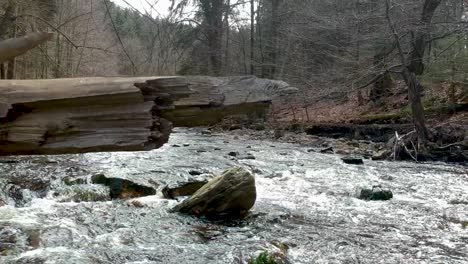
272, 46
416, 68
213, 13
252, 36
228, 30
414, 64
384, 83
11, 69
417, 109
11, 64
415, 61
2, 71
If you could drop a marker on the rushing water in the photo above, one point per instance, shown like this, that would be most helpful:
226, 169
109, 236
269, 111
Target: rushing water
305, 201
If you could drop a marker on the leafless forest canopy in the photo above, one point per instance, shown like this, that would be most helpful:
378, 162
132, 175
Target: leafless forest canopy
326, 48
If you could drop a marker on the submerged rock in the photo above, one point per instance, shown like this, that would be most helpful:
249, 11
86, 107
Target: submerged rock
83, 193
8, 239
375, 194
195, 172
248, 156
206, 132
381, 155
74, 181
184, 189
352, 160
327, 150
231, 194
122, 188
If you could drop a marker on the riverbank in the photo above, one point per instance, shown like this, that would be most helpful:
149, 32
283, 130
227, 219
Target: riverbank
370, 141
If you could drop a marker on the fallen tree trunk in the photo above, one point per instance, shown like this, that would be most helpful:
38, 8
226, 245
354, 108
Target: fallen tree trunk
14, 47
86, 114
215, 98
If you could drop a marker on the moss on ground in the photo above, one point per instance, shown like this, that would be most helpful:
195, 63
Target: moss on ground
263, 258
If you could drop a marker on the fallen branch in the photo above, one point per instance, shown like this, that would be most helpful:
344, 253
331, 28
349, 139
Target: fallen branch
400, 142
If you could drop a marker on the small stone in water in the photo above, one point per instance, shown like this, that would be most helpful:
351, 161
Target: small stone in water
122, 188
233, 154
327, 150
248, 157
73, 181
375, 194
138, 204
195, 172
353, 160
206, 132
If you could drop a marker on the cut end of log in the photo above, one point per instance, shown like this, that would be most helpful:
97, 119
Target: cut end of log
86, 114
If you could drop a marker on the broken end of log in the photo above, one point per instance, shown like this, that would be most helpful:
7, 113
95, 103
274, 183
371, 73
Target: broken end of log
14, 47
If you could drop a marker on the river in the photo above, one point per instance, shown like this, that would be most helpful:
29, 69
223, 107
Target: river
306, 208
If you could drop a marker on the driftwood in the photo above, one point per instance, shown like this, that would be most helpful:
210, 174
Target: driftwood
14, 47
86, 114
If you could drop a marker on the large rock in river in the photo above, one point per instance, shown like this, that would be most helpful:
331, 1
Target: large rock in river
231, 194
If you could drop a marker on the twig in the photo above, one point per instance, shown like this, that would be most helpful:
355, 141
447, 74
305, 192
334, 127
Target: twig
118, 37
399, 141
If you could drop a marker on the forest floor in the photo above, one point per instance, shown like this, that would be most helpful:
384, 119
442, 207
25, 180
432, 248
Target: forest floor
443, 104
361, 127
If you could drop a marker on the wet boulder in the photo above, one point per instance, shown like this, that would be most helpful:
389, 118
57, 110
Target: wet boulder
375, 193
182, 189
231, 194
123, 188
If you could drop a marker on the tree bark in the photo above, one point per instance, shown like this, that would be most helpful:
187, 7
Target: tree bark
269, 70
213, 13
2, 71
86, 114
414, 64
417, 109
415, 61
252, 36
